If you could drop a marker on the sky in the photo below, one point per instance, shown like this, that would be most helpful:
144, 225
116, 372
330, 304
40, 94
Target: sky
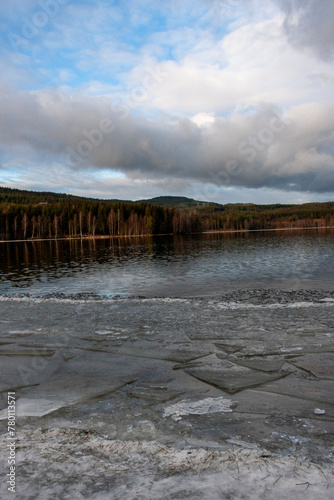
219, 100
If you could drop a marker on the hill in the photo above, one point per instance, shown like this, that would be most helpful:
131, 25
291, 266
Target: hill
12, 195
177, 202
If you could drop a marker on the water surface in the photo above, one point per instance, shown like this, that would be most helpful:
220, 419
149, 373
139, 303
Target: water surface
170, 266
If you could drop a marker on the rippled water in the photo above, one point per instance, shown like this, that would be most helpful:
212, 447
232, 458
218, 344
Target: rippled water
206, 264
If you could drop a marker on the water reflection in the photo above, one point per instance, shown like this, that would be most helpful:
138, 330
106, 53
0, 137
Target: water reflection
170, 266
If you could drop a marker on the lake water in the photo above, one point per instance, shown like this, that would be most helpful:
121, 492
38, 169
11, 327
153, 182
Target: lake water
170, 266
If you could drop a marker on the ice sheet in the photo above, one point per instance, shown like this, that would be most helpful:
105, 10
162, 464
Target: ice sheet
201, 407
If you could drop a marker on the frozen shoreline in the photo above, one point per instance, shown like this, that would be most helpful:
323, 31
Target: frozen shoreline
169, 398
69, 463
242, 297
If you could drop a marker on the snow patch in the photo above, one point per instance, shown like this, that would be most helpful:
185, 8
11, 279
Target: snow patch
202, 407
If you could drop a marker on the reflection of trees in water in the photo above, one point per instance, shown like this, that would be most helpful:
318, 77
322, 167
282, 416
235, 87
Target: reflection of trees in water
32, 260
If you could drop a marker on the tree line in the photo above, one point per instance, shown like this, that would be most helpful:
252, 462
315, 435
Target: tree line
30, 215
84, 219
256, 217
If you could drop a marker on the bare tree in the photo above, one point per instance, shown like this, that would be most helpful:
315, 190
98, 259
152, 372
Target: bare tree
111, 221
94, 224
15, 226
119, 221
89, 222
70, 228
25, 223
33, 222
80, 223
55, 224
75, 225
39, 226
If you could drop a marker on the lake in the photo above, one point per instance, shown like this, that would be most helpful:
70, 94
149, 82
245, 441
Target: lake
170, 266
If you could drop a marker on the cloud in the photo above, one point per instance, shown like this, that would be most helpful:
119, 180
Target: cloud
196, 88
253, 149
309, 23
252, 64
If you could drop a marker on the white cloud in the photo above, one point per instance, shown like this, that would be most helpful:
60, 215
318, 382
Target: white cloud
253, 64
203, 119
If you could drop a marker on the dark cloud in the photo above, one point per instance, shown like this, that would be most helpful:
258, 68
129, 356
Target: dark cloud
309, 23
252, 150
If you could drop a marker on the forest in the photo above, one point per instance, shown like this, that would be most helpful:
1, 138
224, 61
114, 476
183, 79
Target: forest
39, 215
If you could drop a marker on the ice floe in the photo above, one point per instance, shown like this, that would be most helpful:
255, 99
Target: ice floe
201, 407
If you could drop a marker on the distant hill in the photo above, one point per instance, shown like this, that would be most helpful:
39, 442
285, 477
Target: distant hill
12, 195
176, 201
23, 197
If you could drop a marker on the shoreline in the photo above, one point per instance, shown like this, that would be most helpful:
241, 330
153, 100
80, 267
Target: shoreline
158, 405
155, 471
152, 393
212, 231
